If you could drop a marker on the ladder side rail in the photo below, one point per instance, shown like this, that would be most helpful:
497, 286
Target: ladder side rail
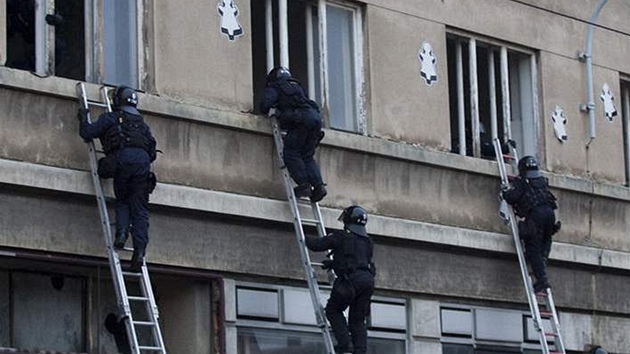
297, 222
321, 231
311, 276
555, 323
114, 261
531, 298
152, 310
132, 334
145, 283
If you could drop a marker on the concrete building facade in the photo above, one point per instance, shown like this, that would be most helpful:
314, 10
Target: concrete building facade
411, 91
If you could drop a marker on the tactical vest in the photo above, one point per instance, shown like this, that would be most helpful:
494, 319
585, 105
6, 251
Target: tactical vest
354, 253
536, 194
130, 131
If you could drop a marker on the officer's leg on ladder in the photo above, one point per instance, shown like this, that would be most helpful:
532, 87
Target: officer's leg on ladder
341, 297
293, 142
359, 310
138, 200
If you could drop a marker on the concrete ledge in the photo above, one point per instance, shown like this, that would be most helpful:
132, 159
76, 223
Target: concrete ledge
224, 117
79, 182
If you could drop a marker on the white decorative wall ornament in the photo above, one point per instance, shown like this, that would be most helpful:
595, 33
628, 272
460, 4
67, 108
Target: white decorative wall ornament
610, 111
428, 62
559, 123
229, 22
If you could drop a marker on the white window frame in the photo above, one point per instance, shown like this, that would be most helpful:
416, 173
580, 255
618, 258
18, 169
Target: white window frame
526, 111
94, 41
625, 109
470, 336
360, 121
279, 323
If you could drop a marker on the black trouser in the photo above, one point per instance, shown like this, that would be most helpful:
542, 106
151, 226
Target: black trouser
299, 148
355, 291
132, 197
536, 231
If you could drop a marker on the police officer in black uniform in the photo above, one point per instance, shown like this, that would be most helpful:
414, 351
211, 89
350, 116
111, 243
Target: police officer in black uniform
129, 144
352, 262
532, 201
300, 117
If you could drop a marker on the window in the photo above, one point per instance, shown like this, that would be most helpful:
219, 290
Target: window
625, 108
62, 38
491, 95
279, 320
484, 330
42, 311
336, 82
273, 341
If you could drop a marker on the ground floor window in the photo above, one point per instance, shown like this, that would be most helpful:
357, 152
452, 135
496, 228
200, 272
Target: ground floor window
280, 319
42, 311
276, 341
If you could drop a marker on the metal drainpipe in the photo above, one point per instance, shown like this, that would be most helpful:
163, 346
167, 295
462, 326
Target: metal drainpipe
587, 57
284, 33
269, 34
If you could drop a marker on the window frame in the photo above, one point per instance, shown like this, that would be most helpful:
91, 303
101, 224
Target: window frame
625, 120
94, 38
315, 44
471, 340
526, 107
358, 74
279, 323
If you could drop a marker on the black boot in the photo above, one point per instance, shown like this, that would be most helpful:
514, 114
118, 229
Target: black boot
319, 193
137, 260
304, 190
541, 285
121, 239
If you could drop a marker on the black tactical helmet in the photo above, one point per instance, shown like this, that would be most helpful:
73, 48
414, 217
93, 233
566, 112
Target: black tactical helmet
278, 73
598, 350
126, 99
528, 167
354, 219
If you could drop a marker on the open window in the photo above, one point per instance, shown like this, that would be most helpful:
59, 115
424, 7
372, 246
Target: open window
94, 41
324, 42
492, 94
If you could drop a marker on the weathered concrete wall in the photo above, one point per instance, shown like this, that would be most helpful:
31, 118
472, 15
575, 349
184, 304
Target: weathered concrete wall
251, 248
43, 130
404, 108
195, 62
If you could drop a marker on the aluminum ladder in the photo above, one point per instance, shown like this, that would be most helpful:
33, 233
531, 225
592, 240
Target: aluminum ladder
541, 304
143, 304
298, 224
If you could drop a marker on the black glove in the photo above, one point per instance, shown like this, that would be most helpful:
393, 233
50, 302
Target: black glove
327, 264
82, 114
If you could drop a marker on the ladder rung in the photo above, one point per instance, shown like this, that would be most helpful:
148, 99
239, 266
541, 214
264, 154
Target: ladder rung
550, 334
96, 103
138, 298
132, 274
144, 347
144, 323
310, 221
546, 314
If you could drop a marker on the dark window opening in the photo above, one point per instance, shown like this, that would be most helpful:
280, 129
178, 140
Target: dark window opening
21, 34
70, 39
297, 44
483, 93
